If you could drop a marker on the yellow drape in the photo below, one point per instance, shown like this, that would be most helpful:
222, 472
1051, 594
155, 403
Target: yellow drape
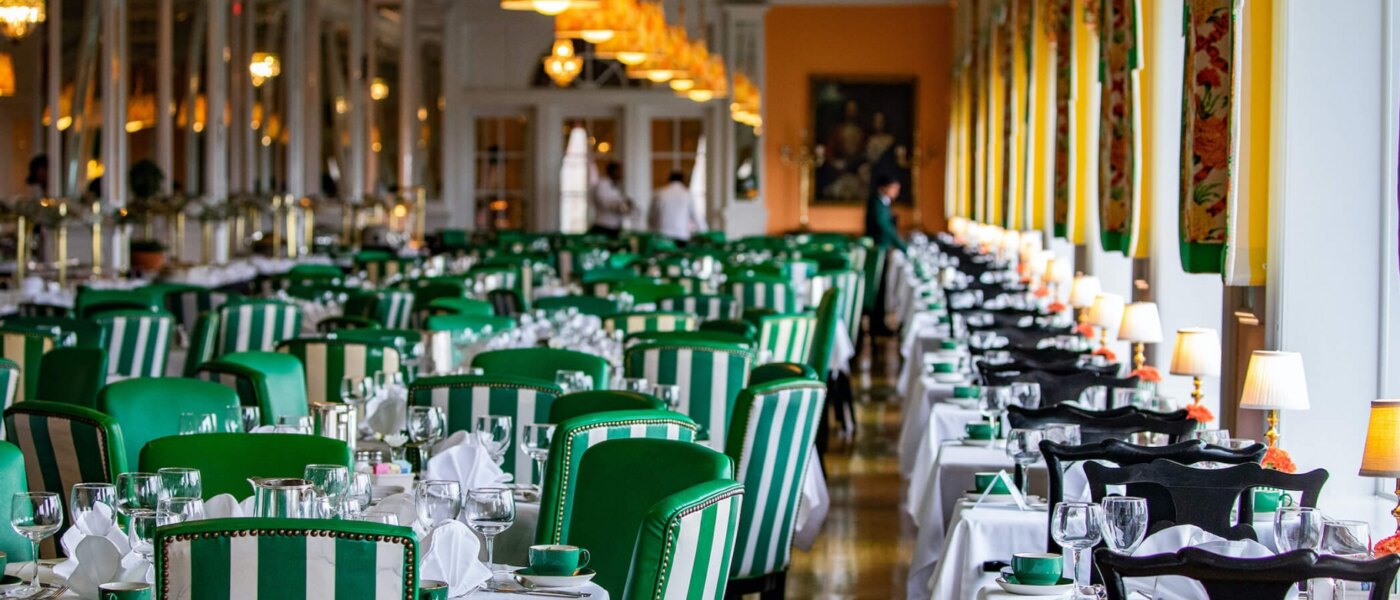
1247, 246
996, 104
1020, 83
1147, 75
1084, 119
1040, 130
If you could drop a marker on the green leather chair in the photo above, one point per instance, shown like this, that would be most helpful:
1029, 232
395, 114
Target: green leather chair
380, 266
764, 292
710, 375
138, 342
329, 361
683, 535
256, 325
771, 440
63, 445
272, 381
148, 408
648, 291
389, 308
578, 404
464, 306
341, 323
34, 309
203, 343
602, 281
72, 375
738, 327
15, 546
787, 338
543, 364
525, 400
86, 333
824, 336
189, 301
781, 370
588, 305
704, 335
286, 559
619, 481
315, 271
25, 348
708, 307
226, 460
851, 300
474, 324
91, 301
636, 322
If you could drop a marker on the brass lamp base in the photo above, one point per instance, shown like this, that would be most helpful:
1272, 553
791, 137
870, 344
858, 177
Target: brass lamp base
1139, 355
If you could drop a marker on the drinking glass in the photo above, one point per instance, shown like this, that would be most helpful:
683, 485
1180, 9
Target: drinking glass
1297, 527
331, 482
386, 518
437, 501
193, 423
493, 432
1063, 433
359, 495
179, 482
354, 390
490, 511
1239, 443
1023, 446
93, 507
231, 420
536, 440
567, 380
139, 491
1124, 522
1094, 397
633, 384
35, 515
1077, 526
670, 394
184, 509
290, 424
994, 401
1026, 394
141, 529
250, 416
1347, 539
1214, 437
426, 425
1131, 397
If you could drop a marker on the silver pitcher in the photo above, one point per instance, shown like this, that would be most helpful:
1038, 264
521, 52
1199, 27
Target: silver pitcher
336, 421
283, 498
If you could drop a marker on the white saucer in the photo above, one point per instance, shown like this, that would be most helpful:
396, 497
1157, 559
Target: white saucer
978, 443
948, 377
580, 577
1021, 589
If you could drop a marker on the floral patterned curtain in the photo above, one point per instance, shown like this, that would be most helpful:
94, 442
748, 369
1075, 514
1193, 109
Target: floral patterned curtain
1120, 156
1061, 25
1206, 129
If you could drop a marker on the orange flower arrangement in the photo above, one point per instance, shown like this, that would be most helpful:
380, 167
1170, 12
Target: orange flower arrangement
1278, 459
1056, 307
1041, 292
1085, 330
1390, 545
1106, 353
1147, 373
1199, 413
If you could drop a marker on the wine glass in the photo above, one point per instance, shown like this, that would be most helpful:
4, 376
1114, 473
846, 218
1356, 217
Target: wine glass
1298, 528
1214, 437
1077, 526
35, 515
437, 501
1346, 539
426, 426
184, 509
1023, 446
1063, 433
359, 494
141, 529
353, 390
668, 393
994, 402
139, 491
490, 511
633, 384
583, 382
195, 423
566, 379
493, 432
1124, 522
536, 439
331, 482
179, 482
1026, 394
93, 507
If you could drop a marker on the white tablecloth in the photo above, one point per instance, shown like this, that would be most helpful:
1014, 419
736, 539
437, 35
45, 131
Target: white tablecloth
916, 426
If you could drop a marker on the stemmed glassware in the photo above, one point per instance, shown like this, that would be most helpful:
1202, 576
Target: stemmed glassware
634, 384
332, 483
139, 491
426, 425
141, 529
1346, 539
93, 504
567, 380
537, 438
1298, 528
668, 393
1025, 394
1124, 522
180, 482
1063, 433
1023, 446
994, 401
1077, 526
360, 494
490, 511
194, 423
184, 509
35, 515
437, 501
1214, 437
493, 432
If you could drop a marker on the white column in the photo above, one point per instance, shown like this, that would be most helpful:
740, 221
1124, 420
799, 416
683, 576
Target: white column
549, 157
249, 140
357, 97
165, 84
53, 137
458, 164
311, 92
216, 147
636, 159
409, 92
294, 72
114, 94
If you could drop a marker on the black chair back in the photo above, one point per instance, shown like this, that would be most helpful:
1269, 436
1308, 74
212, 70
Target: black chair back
1268, 578
505, 303
1203, 497
1056, 388
1097, 426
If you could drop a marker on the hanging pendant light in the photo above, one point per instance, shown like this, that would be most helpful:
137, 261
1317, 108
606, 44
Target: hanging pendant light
563, 65
548, 7
18, 17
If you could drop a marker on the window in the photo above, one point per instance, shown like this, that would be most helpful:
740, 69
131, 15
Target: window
679, 145
502, 172
589, 145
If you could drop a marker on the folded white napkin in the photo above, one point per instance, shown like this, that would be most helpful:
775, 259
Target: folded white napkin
97, 553
452, 556
225, 506
461, 458
401, 505
1172, 539
387, 410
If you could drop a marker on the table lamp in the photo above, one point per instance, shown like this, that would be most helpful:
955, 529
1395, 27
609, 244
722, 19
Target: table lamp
1105, 312
1081, 295
1275, 382
1141, 325
1381, 458
1197, 354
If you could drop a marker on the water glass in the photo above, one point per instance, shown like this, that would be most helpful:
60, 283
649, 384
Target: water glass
670, 394
994, 401
1023, 446
1124, 522
1063, 433
1297, 527
1214, 437
93, 507
536, 440
141, 529
35, 515
633, 384
195, 423
331, 482
490, 511
231, 421
179, 482
567, 380
1346, 539
354, 390
139, 491
250, 416
494, 433
359, 495
1239, 443
1094, 397
426, 425
291, 424
1077, 526
371, 516
184, 509
1025, 394
437, 501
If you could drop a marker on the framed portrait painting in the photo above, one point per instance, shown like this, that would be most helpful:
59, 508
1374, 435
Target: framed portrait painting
863, 129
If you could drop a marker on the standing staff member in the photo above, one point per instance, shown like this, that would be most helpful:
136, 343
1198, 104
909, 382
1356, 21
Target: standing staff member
879, 227
673, 211
610, 205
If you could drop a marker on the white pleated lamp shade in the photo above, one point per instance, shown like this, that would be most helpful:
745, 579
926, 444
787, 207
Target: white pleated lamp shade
1275, 381
1106, 311
1083, 291
1141, 324
1059, 270
1197, 352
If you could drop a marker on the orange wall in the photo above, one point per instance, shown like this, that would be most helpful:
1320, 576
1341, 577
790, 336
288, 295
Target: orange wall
803, 41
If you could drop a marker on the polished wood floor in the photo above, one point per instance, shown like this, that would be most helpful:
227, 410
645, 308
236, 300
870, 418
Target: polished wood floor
866, 543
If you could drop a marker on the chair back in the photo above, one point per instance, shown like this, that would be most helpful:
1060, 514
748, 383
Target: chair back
1228, 578
648, 291
150, 408
226, 460
463, 306
463, 398
1056, 388
636, 322
771, 440
15, 546
35, 309
188, 302
850, 300
329, 361
392, 308
737, 327
764, 292
272, 381
25, 349
90, 301
256, 325
787, 338
1203, 497
72, 375
688, 533
543, 364
506, 302
341, 323
138, 342
708, 307
85, 332
781, 370
710, 375
286, 559
577, 404
586, 305
1097, 426
9, 385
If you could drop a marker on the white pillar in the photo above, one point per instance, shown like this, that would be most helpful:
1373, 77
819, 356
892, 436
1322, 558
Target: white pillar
294, 72
356, 100
165, 84
114, 94
636, 160
545, 213
53, 137
458, 136
310, 141
216, 147
409, 92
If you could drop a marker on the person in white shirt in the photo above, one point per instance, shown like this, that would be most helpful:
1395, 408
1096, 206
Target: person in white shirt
610, 205
673, 211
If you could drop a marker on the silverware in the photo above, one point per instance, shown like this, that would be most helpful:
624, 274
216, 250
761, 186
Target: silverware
545, 593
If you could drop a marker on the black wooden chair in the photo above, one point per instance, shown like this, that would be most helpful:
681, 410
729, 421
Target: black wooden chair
1226, 578
1058, 388
1097, 426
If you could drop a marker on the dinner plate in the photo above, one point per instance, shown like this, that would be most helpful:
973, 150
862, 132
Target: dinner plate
1008, 583
531, 579
10, 582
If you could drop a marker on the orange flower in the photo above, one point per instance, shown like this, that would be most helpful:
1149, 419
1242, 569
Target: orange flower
1106, 353
1085, 330
1199, 413
1213, 142
1041, 292
1277, 459
1147, 373
1056, 307
1390, 545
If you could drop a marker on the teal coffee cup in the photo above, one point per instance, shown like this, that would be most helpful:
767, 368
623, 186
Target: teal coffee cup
980, 430
557, 559
985, 480
432, 589
124, 590
1035, 568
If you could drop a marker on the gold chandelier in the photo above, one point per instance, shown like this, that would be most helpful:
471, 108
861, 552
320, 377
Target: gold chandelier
563, 65
548, 7
18, 17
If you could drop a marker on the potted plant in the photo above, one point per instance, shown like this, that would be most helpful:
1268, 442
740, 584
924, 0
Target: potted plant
147, 255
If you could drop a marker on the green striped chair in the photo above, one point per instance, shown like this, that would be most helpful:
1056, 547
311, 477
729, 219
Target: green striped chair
272, 381
824, 335
379, 266
502, 277
286, 559
787, 338
543, 363
463, 398
10, 376
464, 306
764, 292
587, 305
15, 546
72, 375
226, 460
149, 408
575, 435
25, 348
686, 543
91, 301
329, 361
188, 302
601, 282
204, 340
256, 325
34, 309
85, 333
341, 323
648, 291
771, 440
393, 308
577, 404
62, 445
850, 301
709, 307
710, 375
138, 342
637, 322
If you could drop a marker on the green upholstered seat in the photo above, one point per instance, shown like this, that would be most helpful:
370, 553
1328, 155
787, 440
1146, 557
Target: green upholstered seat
685, 544
764, 292
138, 342
148, 408
86, 332
35, 309
474, 324
72, 375
91, 301
204, 340
391, 308
709, 307
15, 546
272, 381
578, 404
850, 302
710, 375
62, 445
341, 323
824, 336
691, 285
498, 277
286, 559
329, 361
781, 370
787, 338
618, 483
226, 460
189, 301
647, 291
463, 398
738, 327
543, 364
380, 266
602, 281
256, 325
426, 291
588, 305
25, 348
463, 306
634, 322
770, 440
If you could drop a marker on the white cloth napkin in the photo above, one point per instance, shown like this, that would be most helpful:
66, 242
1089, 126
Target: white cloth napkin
452, 555
401, 505
1172, 539
461, 458
225, 506
387, 410
98, 556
